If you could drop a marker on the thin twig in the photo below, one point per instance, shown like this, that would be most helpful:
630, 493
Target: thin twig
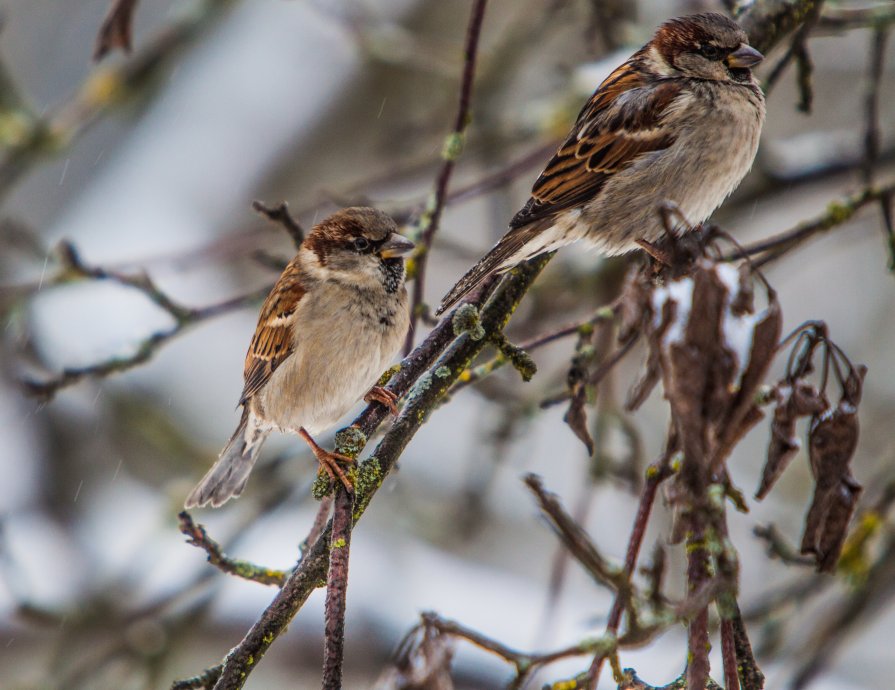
656, 474
106, 88
206, 679
45, 389
578, 542
598, 374
778, 547
247, 571
116, 29
602, 315
431, 219
872, 134
280, 215
836, 214
525, 662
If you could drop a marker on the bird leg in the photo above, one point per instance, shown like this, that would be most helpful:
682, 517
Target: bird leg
384, 397
329, 461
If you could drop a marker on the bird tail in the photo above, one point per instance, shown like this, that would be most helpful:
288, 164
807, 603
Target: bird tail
228, 476
508, 252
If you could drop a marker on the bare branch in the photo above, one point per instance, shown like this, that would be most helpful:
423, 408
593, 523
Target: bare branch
836, 214
280, 215
116, 29
453, 146
108, 87
45, 390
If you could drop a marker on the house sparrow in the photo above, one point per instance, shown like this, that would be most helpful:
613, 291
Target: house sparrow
678, 122
332, 323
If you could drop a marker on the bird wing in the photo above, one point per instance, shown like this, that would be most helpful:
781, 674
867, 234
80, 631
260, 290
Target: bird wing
623, 120
273, 341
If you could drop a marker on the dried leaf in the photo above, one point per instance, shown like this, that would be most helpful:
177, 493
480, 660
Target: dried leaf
697, 371
576, 417
640, 391
744, 412
116, 29
577, 381
793, 401
832, 441
842, 506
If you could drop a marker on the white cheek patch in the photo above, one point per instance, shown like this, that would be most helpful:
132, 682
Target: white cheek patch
657, 64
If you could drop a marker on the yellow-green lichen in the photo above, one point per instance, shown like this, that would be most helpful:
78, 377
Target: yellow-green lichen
855, 560
468, 320
367, 479
571, 684
350, 441
423, 383
519, 358
387, 374
322, 486
837, 213
339, 543
453, 146
16, 128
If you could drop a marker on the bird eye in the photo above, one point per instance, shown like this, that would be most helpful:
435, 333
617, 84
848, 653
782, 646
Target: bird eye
711, 52
361, 244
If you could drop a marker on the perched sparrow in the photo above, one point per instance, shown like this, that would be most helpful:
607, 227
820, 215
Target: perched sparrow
678, 122
328, 329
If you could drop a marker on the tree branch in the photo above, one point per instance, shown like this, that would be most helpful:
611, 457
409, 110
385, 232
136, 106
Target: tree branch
453, 146
421, 400
232, 566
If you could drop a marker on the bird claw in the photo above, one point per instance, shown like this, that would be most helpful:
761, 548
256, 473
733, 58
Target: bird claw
384, 397
672, 219
329, 461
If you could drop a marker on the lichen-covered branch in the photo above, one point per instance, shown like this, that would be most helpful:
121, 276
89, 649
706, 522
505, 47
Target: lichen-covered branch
836, 214
337, 589
423, 391
216, 556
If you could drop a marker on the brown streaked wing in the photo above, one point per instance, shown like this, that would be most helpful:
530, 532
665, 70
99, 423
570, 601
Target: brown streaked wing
273, 341
607, 137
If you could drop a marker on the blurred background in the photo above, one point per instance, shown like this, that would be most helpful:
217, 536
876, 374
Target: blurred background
150, 162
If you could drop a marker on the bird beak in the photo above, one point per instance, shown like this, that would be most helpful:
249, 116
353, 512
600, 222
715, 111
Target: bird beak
396, 245
744, 57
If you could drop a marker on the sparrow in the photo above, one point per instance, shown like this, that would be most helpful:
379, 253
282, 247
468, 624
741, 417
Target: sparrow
332, 323
676, 125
